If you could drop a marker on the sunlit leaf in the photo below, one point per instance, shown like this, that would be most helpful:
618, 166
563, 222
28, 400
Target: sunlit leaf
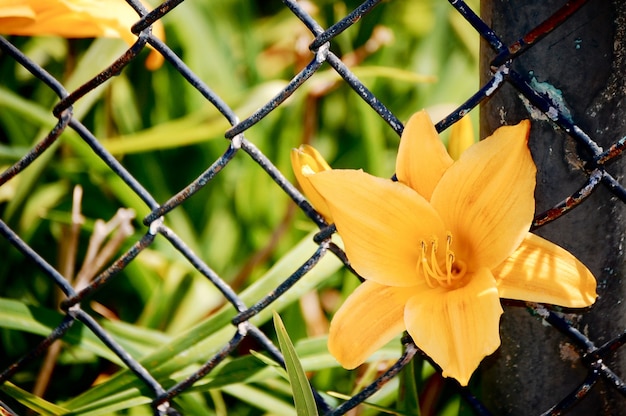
31, 401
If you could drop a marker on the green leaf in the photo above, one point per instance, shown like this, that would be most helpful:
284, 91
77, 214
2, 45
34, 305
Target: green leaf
374, 406
270, 363
31, 401
407, 396
200, 342
197, 127
42, 321
259, 398
302, 394
246, 369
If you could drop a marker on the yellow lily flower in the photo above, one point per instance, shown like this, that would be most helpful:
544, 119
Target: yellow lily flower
75, 19
305, 162
441, 246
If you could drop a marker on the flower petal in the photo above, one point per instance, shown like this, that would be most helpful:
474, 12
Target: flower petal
457, 328
381, 223
75, 19
422, 157
306, 161
12, 9
461, 137
115, 18
541, 271
487, 197
371, 317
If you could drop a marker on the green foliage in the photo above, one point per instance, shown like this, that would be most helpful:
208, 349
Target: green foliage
160, 309
302, 394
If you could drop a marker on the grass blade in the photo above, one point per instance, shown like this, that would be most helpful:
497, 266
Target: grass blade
302, 394
31, 401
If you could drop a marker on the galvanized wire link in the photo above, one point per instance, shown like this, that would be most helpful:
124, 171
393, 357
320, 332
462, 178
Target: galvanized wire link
594, 168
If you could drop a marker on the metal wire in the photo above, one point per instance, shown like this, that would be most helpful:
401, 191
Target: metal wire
502, 73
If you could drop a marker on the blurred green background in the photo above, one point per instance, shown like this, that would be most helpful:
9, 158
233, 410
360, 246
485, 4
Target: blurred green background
410, 54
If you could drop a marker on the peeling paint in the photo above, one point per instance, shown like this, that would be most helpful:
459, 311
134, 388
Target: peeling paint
499, 77
533, 111
556, 97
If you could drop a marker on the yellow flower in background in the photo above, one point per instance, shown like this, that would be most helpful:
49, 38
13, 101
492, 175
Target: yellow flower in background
441, 246
461, 137
307, 161
75, 19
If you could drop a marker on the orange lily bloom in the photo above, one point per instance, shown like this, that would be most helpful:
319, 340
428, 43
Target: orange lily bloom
75, 19
441, 246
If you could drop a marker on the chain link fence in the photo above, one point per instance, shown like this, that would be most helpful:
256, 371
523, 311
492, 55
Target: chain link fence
163, 387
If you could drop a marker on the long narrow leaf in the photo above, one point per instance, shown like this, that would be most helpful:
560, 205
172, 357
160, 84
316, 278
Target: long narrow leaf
408, 399
31, 401
302, 394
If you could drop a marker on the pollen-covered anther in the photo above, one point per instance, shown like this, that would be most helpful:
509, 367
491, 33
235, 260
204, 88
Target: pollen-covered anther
433, 273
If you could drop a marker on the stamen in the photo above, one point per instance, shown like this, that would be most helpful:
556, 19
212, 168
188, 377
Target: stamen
449, 262
433, 259
449, 257
429, 267
423, 263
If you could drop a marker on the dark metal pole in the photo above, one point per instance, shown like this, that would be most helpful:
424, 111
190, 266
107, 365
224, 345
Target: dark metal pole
582, 64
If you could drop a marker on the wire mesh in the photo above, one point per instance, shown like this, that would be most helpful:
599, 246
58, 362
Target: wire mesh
321, 56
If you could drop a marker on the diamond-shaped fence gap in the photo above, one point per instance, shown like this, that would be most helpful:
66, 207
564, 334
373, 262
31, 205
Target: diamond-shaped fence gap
193, 79
116, 167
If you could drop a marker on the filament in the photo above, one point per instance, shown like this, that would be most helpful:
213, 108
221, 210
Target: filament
429, 267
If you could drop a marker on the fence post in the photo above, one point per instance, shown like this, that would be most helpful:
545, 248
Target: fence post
582, 62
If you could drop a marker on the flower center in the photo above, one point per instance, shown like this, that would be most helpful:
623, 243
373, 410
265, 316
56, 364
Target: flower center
437, 274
